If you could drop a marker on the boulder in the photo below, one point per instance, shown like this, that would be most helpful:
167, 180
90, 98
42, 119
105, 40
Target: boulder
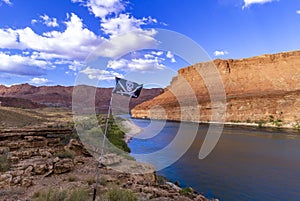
63, 166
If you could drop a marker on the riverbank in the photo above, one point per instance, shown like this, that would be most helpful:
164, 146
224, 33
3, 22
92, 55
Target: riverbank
131, 128
188, 193
294, 126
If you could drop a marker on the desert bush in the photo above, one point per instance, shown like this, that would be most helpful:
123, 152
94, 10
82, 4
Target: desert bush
72, 178
90, 180
186, 191
260, 123
116, 194
65, 154
161, 180
51, 195
79, 195
277, 122
5, 164
297, 126
61, 195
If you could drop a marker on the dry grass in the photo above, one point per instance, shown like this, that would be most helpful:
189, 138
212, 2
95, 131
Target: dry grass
45, 117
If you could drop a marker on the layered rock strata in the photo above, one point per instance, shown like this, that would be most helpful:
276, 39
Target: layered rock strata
259, 89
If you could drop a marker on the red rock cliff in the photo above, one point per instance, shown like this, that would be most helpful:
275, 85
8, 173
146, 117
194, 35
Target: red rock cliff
256, 88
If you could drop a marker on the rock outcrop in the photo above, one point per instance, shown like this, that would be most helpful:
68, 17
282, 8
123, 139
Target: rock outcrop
263, 88
39, 161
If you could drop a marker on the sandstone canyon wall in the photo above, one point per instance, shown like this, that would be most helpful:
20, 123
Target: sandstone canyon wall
260, 88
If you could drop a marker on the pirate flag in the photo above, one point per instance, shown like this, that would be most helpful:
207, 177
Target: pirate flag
127, 88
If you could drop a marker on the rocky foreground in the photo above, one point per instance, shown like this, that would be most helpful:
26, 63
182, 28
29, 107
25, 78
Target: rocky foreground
263, 90
38, 160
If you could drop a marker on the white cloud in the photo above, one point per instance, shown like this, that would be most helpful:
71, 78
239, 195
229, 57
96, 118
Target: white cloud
50, 22
75, 42
298, 12
122, 24
99, 74
139, 64
37, 80
135, 40
22, 65
8, 2
9, 38
102, 8
247, 3
157, 53
34, 21
220, 53
71, 46
171, 56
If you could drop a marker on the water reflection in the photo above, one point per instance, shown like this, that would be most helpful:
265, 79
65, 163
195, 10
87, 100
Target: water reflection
247, 163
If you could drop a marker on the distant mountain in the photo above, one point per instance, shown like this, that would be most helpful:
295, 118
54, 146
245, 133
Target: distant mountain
61, 96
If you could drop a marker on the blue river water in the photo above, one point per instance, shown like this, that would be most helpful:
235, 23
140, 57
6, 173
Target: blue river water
246, 164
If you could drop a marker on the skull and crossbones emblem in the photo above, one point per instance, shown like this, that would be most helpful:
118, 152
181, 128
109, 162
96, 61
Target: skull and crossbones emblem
129, 86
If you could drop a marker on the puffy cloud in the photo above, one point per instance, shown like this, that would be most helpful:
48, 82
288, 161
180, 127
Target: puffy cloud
50, 22
220, 53
39, 81
22, 65
75, 42
34, 21
70, 47
247, 3
298, 12
171, 56
122, 24
102, 8
139, 64
8, 2
157, 53
135, 40
9, 38
99, 74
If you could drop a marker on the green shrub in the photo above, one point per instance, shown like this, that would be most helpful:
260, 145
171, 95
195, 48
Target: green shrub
277, 122
90, 181
186, 191
5, 164
260, 123
72, 178
117, 194
51, 195
297, 126
161, 180
79, 195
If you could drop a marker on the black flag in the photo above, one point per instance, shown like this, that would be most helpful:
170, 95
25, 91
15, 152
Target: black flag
127, 88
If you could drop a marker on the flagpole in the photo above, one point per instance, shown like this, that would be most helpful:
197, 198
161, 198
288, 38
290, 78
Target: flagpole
102, 149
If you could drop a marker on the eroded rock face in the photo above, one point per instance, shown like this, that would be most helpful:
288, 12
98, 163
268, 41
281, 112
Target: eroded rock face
255, 89
32, 154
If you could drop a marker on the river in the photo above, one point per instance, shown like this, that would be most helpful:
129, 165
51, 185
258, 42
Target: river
246, 164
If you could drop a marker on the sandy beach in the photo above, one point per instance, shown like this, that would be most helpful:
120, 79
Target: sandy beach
133, 129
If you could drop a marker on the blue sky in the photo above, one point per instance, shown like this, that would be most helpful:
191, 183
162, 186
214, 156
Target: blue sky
47, 42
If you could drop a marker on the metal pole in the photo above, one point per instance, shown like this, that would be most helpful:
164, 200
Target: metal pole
102, 149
